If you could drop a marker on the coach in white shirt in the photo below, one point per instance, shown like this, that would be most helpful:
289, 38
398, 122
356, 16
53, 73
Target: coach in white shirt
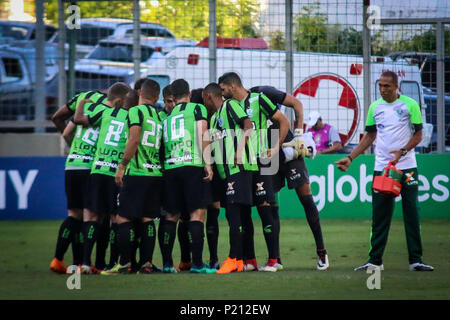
394, 123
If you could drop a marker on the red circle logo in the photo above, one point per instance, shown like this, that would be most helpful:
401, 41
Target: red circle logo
332, 101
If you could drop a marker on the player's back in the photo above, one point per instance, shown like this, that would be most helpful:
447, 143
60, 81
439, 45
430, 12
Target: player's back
112, 138
181, 141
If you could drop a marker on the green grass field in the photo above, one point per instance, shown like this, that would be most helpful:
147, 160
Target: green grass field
28, 246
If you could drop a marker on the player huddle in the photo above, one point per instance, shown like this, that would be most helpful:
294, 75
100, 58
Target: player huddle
220, 146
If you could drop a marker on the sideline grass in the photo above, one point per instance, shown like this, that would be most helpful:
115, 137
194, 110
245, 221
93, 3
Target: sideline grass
28, 246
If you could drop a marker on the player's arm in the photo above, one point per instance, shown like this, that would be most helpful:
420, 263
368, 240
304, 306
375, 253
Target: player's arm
284, 128
60, 116
80, 117
294, 103
201, 123
69, 133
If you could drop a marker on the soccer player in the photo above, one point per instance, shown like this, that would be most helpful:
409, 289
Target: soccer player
187, 175
260, 109
295, 173
111, 117
394, 122
235, 159
78, 165
141, 189
212, 213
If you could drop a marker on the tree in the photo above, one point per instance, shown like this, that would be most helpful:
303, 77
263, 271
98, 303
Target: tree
310, 30
277, 40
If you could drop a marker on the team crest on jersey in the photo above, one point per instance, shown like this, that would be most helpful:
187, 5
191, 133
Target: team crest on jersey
400, 112
249, 112
220, 121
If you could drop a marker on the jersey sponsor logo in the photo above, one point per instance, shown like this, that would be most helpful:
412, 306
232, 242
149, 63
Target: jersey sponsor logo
295, 174
106, 164
151, 166
410, 181
230, 189
219, 135
186, 157
79, 156
378, 116
260, 191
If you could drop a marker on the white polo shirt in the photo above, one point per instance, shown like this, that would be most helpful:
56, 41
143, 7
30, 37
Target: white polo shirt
395, 124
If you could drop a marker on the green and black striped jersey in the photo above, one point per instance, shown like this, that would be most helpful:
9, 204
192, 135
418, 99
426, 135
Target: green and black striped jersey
259, 109
146, 161
82, 149
226, 131
112, 138
181, 142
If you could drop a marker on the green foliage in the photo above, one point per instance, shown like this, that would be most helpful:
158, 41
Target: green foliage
277, 40
310, 29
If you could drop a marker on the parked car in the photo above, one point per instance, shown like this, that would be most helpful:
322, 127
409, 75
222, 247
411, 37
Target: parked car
430, 98
92, 30
11, 31
17, 82
112, 60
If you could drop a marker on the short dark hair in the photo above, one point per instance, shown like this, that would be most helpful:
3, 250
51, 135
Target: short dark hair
150, 89
138, 84
230, 78
196, 96
214, 89
392, 75
131, 99
167, 91
180, 88
118, 90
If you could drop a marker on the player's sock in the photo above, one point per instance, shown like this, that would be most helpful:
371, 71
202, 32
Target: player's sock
248, 233
276, 229
113, 246
312, 215
137, 225
102, 244
183, 239
212, 232
233, 214
265, 213
77, 244
90, 232
65, 236
147, 244
125, 237
197, 232
166, 237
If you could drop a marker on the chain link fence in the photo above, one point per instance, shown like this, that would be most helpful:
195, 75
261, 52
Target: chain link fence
322, 52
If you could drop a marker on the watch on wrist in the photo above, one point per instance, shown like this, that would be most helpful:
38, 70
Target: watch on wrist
404, 151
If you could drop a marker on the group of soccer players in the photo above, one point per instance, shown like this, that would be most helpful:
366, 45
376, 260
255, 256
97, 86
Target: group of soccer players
220, 146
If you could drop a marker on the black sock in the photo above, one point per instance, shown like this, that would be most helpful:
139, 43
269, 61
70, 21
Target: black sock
183, 239
102, 244
312, 215
77, 244
233, 214
212, 232
276, 230
125, 237
197, 232
248, 233
166, 238
65, 236
265, 213
147, 244
90, 232
113, 246
137, 225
